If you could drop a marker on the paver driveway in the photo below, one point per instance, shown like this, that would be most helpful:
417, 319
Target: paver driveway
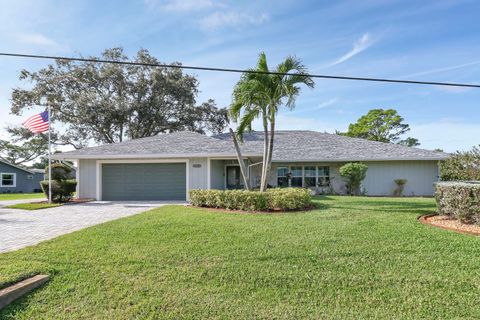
21, 228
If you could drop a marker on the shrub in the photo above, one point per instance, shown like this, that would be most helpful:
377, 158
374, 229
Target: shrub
353, 173
62, 190
459, 200
461, 166
400, 186
272, 199
60, 171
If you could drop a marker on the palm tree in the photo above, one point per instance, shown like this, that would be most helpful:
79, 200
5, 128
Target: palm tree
260, 94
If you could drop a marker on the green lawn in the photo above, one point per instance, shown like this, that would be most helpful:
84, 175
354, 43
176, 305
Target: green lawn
351, 258
20, 196
33, 206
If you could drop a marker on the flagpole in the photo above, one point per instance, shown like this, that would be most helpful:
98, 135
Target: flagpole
49, 159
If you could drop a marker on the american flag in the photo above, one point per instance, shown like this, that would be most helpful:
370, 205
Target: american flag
37, 123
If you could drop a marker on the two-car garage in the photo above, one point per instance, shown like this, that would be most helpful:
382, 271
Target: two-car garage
143, 181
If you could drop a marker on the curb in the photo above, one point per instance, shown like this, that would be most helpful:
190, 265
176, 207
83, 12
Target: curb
424, 220
19, 289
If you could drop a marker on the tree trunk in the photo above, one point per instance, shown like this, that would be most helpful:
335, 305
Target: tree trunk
243, 169
270, 146
263, 179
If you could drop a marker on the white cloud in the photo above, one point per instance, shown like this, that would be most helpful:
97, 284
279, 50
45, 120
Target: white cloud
359, 46
218, 20
444, 69
318, 107
36, 39
181, 5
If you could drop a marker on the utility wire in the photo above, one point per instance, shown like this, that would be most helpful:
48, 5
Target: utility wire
450, 84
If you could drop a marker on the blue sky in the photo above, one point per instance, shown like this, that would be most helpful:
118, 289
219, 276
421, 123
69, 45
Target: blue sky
432, 41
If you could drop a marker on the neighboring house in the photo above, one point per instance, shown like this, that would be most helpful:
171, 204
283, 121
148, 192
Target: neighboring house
166, 166
15, 179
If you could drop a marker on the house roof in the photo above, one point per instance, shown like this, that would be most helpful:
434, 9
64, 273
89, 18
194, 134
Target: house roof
15, 166
289, 146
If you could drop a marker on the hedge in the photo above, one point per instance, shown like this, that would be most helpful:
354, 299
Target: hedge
459, 200
62, 190
279, 199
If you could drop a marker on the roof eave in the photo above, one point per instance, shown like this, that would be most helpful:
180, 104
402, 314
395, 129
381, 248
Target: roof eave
66, 156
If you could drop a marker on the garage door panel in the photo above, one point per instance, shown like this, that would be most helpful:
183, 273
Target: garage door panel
144, 181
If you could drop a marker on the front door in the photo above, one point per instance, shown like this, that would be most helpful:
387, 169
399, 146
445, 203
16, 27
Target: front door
234, 178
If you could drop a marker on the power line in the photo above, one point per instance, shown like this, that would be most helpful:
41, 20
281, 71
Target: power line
321, 76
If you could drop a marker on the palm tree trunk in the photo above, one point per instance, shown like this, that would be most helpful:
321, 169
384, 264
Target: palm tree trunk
243, 169
263, 179
270, 146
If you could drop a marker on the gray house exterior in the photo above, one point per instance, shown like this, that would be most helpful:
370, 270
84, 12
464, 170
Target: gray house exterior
167, 166
15, 179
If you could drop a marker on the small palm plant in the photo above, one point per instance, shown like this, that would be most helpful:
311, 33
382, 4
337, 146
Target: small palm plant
398, 192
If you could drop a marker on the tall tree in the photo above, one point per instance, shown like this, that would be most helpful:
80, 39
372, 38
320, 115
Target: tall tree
383, 125
107, 103
409, 142
260, 95
23, 146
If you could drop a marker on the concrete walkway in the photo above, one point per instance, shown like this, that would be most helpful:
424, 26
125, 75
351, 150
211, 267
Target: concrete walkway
21, 228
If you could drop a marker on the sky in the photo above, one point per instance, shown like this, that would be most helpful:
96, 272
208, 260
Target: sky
420, 40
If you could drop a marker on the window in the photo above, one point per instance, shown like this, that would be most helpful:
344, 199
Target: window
8, 179
297, 176
282, 177
310, 176
323, 176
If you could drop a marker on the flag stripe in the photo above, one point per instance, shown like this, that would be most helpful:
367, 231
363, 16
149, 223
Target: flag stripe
38, 123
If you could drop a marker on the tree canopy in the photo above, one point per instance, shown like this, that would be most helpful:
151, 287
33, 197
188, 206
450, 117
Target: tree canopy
260, 95
383, 125
106, 103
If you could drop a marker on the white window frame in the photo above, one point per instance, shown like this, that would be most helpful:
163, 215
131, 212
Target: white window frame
322, 176
317, 176
14, 185
292, 176
285, 176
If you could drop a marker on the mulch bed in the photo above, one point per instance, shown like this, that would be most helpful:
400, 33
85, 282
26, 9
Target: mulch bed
448, 223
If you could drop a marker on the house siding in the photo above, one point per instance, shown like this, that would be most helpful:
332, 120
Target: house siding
420, 175
379, 181
23, 184
87, 174
198, 173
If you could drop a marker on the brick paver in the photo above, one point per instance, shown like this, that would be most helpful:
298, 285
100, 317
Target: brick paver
21, 228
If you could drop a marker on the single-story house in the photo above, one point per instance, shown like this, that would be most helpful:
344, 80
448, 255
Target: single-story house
167, 166
16, 179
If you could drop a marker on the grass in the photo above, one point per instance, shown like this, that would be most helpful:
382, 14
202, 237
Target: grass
20, 196
351, 258
33, 206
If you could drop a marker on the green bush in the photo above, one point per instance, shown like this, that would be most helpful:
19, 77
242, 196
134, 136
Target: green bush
62, 190
459, 200
353, 173
272, 200
60, 171
461, 166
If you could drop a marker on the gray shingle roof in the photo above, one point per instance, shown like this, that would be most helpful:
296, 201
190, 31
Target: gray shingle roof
313, 145
289, 146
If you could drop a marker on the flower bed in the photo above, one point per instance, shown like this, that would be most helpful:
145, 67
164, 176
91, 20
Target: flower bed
459, 200
284, 199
